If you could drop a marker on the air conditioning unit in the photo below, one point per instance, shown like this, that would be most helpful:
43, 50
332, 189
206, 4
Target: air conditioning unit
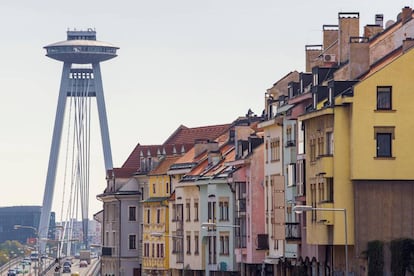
329, 58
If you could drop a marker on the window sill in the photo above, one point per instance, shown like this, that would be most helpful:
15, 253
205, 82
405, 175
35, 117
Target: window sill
384, 158
385, 110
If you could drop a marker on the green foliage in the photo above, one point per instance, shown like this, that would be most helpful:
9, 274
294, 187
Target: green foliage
10, 250
402, 251
375, 255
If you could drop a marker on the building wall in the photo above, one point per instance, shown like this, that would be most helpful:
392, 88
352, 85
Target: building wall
188, 192
364, 165
213, 191
255, 205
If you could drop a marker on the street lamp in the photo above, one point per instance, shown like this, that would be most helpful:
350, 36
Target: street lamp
160, 234
305, 208
206, 225
39, 260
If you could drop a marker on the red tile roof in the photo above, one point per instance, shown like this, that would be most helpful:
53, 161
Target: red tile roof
133, 160
121, 172
185, 135
181, 141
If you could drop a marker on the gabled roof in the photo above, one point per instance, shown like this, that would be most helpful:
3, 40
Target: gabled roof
133, 160
185, 135
204, 168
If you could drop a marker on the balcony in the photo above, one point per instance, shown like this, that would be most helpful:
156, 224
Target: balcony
292, 231
290, 143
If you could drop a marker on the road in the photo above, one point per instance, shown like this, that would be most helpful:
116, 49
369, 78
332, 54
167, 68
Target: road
83, 271
32, 271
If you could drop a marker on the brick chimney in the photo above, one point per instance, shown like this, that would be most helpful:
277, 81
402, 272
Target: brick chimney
202, 145
330, 35
358, 56
348, 27
406, 14
312, 53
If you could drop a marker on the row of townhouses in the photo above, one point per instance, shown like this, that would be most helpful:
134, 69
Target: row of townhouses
321, 183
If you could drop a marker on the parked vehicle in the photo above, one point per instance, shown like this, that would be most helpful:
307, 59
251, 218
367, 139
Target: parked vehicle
11, 272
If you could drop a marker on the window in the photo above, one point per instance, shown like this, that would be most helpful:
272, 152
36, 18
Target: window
196, 244
224, 244
329, 189
132, 241
313, 150
153, 188
153, 250
132, 214
148, 215
187, 210
162, 250
384, 137
167, 186
384, 100
320, 146
384, 145
291, 173
212, 211
329, 143
275, 149
224, 209
146, 249
188, 240
212, 251
158, 216
195, 210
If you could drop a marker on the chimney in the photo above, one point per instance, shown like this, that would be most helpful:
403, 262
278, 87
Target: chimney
348, 27
202, 145
408, 43
312, 56
330, 35
379, 20
406, 14
371, 30
358, 56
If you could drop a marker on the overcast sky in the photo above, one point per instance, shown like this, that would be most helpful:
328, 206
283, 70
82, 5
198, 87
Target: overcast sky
186, 62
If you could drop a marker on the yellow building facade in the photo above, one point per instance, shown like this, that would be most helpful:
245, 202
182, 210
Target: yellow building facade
328, 182
382, 158
155, 259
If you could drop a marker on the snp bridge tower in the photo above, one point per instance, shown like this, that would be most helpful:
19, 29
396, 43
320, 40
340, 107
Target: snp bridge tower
81, 80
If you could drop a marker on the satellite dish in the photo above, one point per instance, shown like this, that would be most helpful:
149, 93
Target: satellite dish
389, 23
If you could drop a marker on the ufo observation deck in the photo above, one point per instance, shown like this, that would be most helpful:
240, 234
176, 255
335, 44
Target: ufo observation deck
81, 47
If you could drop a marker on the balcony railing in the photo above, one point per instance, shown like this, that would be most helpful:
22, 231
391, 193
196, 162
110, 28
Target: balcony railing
292, 231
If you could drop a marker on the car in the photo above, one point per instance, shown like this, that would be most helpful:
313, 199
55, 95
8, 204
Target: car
67, 263
27, 260
75, 274
11, 272
66, 269
18, 270
83, 263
